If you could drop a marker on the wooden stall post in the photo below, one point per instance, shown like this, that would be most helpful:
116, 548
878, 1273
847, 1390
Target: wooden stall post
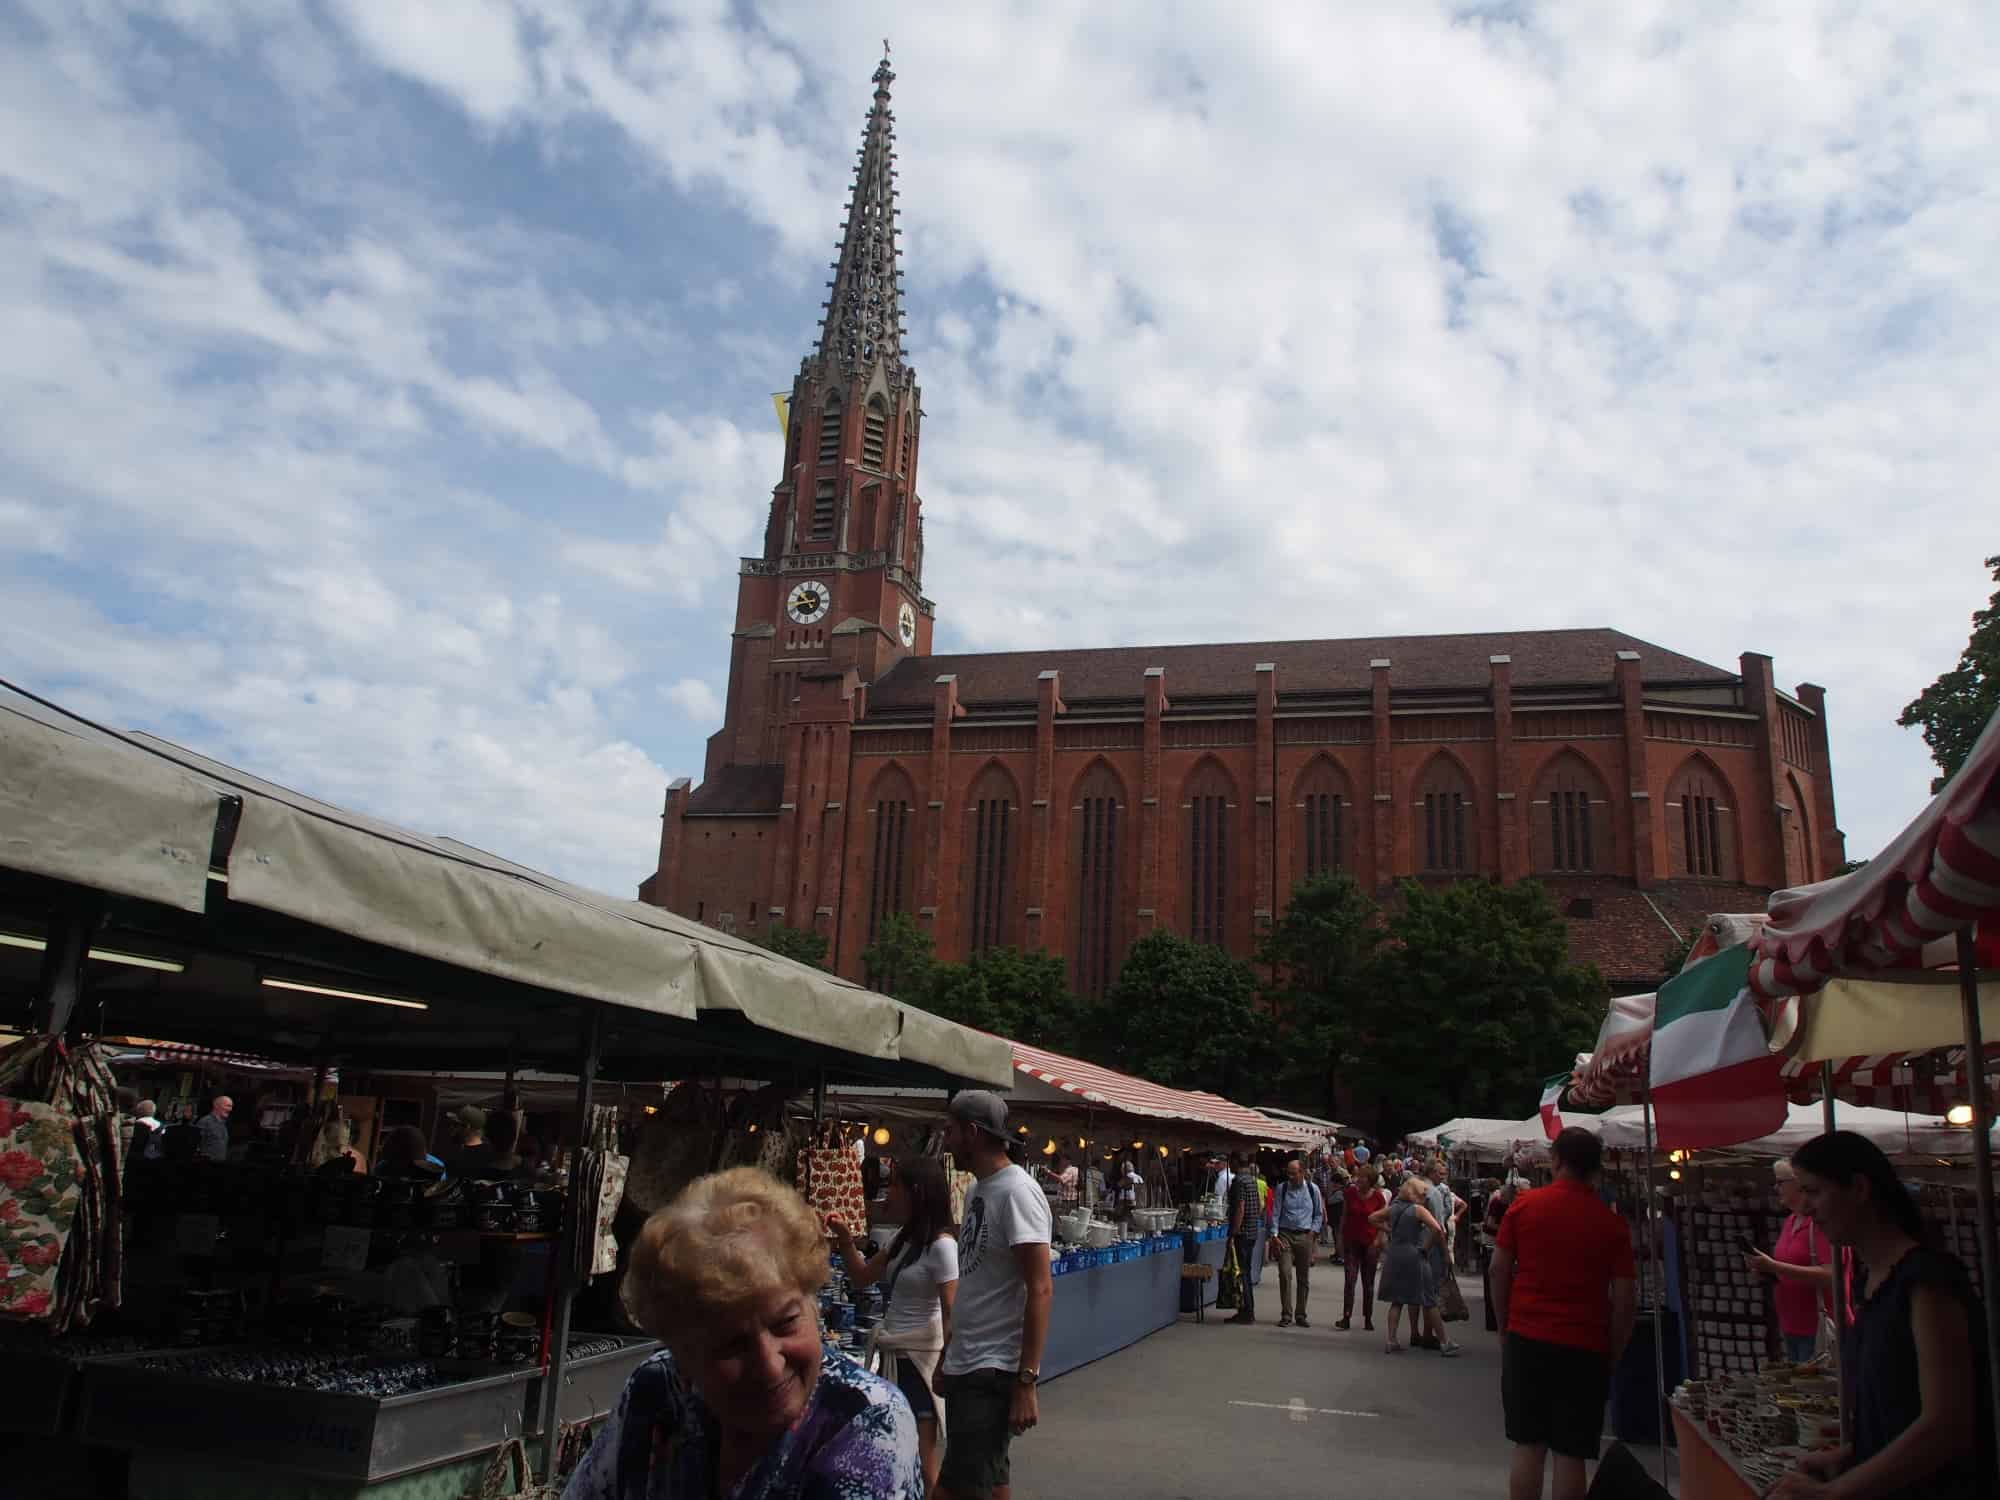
1661, 1410
566, 1246
60, 985
1981, 1100
1828, 1112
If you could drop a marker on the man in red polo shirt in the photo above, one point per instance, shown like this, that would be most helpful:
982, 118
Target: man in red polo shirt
1564, 1294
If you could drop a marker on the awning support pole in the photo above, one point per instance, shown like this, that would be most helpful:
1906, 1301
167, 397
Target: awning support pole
1828, 1112
61, 983
1661, 1414
566, 1247
1982, 1151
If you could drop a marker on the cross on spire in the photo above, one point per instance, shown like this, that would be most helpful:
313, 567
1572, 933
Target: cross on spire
864, 320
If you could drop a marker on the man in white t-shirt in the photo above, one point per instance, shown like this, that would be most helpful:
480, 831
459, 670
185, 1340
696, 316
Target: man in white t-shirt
1000, 1322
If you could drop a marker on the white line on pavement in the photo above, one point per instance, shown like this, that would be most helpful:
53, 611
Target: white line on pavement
1296, 1405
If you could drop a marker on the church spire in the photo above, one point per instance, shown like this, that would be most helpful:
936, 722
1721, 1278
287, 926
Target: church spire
864, 306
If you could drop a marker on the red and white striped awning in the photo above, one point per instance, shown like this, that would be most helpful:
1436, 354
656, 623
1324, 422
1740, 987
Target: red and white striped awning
1940, 874
1124, 1094
186, 1054
1909, 1081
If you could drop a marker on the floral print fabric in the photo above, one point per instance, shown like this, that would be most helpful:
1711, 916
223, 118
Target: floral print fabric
855, 1441
40, 1184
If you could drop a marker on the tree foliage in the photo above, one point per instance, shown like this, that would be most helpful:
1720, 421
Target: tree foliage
1024, 997
1321, 957
1184, 1014
1475, 1000
1675, 955
900, 960
800, 943
1954, 709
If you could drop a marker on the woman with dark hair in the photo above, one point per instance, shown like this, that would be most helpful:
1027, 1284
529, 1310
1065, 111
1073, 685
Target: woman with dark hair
1920, 1413
406, 1154
921, 1265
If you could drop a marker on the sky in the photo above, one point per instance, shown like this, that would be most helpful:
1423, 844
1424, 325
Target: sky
385, 399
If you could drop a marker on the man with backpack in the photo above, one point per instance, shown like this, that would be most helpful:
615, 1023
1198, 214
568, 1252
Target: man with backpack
1297, 1215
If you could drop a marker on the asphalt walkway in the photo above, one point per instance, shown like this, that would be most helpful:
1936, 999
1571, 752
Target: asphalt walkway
1198, 1412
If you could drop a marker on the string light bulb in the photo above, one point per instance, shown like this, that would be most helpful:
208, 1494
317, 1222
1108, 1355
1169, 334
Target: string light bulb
881, 1136
1959, 1114
1050, 1148
1674, 1174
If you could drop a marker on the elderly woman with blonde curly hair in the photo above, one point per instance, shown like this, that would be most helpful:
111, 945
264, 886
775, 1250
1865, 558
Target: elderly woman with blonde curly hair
744, 1402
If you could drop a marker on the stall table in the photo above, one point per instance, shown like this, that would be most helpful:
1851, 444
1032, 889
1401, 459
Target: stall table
1195, 1251
1105, 1309
1707, 1470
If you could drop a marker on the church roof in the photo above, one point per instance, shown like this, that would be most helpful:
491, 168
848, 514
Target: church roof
1541, 658
739, 789
864, 302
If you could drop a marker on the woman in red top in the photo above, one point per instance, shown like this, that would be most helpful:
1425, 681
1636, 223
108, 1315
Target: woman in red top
1802, 1263
1360, 1244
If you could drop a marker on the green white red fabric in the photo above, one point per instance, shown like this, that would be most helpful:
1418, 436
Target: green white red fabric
1715, 1080
1552, 1094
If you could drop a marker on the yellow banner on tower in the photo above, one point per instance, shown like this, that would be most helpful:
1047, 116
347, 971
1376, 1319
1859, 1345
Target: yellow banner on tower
783, 403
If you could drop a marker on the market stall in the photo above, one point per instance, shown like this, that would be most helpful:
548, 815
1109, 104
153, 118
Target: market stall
146, 889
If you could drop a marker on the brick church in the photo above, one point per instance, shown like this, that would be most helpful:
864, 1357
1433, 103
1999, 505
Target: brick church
1074, 800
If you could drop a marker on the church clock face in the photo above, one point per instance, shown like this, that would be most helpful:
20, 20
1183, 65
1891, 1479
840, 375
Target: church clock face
906, 624
808, 602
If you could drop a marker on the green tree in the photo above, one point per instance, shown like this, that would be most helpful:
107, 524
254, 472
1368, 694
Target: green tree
1184, 1014
1957, 707
900, 960
1475, 1001
800, 943
1321, 956
1024, 997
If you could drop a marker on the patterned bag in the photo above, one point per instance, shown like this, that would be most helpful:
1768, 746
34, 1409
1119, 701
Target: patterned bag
41, 1184
830, 1179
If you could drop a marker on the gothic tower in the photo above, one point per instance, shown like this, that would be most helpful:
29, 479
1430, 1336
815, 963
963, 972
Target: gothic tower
839, 584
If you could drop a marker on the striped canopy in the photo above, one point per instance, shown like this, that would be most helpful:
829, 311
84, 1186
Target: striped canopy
1124, 1094
1913, 1082
1941, 873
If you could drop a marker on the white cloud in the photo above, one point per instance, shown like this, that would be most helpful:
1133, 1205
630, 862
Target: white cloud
698, 701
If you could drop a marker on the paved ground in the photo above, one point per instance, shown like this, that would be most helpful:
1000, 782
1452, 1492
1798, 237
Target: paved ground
1210, 1411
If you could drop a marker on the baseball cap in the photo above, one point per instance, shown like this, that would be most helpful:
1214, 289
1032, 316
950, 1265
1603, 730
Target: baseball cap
471, 1116
980, 1107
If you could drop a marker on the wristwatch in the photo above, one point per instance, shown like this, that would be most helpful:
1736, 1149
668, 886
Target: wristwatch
1029, 1377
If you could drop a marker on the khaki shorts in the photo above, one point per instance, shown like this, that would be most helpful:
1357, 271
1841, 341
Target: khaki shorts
979, 1406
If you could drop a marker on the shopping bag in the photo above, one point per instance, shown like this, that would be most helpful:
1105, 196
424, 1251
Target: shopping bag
1229, 1285
830, 1179
1451, 1301
41, 1185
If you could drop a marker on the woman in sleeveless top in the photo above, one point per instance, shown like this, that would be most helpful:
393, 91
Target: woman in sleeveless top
1919, 1406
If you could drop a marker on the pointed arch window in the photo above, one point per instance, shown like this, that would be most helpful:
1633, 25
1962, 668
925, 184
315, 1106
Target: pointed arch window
889, 865
991, 871
1209, 794
1700, 821
1098, 818
1572, 835
1446, 832
1323, 806
875, 433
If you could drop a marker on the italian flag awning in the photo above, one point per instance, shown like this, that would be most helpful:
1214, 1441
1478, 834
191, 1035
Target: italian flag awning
1715, 1080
